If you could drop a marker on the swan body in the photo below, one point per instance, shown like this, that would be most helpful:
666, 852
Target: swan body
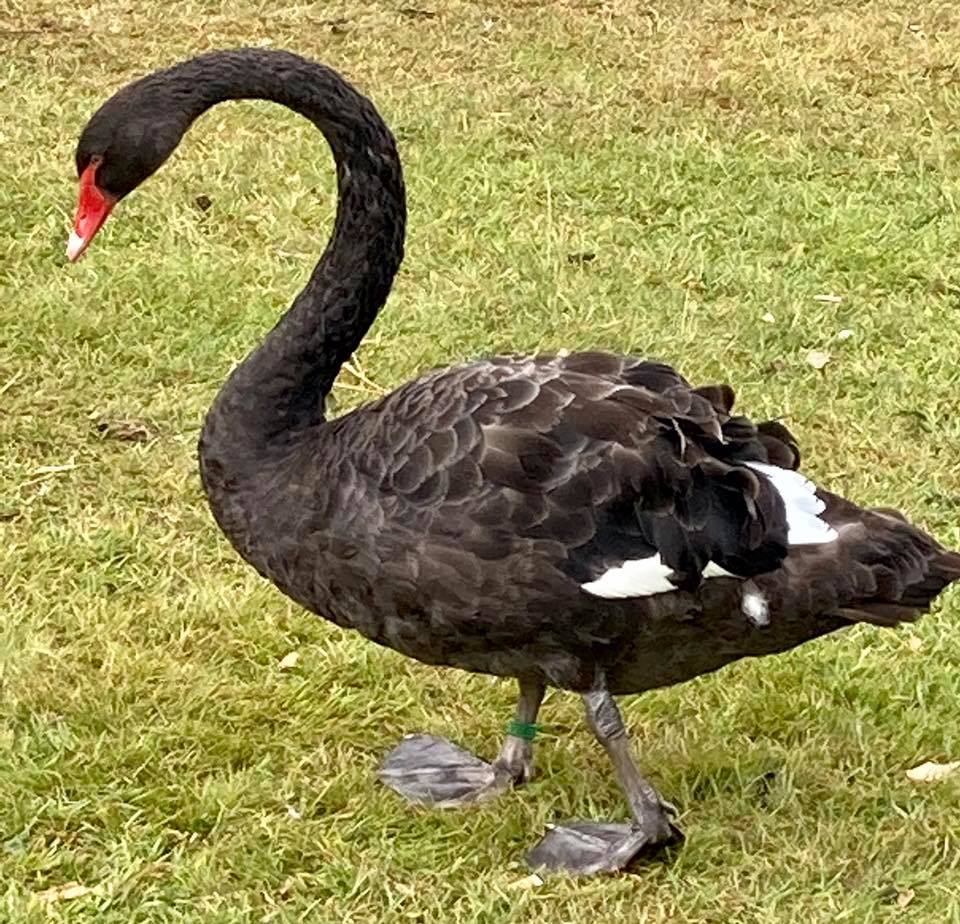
589, 521
474, 517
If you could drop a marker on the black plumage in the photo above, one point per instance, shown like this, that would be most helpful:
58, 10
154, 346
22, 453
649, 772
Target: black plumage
458, 519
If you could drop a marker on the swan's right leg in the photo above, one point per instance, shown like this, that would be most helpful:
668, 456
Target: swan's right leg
589, 847
434, 771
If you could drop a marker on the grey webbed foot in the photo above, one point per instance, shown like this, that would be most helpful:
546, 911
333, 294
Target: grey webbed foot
586, 848
430, 770
433, 771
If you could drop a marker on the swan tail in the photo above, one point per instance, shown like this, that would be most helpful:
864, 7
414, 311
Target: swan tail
943, 569
879, 569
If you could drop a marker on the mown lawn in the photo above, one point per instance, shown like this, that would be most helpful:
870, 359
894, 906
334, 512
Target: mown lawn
723, 185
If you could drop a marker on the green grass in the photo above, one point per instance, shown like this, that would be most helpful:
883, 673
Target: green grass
720, 162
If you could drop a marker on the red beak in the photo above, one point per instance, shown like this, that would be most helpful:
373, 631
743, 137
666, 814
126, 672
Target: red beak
93, 208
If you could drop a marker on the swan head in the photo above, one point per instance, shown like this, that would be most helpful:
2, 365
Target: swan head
125, 142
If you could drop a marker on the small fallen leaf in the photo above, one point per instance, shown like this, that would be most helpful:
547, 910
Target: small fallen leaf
844, 334
904, 898
532, 881
932, 772
768, 318
289, 661
132, 430
63, 893
415, 13
832, 299
818, 359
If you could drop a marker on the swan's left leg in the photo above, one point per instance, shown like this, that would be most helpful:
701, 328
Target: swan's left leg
434, 771
588, 847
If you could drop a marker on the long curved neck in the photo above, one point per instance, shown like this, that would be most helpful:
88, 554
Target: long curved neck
279, 389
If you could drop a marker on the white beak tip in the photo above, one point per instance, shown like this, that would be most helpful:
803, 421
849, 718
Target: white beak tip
75, 246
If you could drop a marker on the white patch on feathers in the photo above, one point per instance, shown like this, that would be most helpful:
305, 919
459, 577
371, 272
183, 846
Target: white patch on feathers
640, 577
804, 526
713, 570
755, 608
643, 577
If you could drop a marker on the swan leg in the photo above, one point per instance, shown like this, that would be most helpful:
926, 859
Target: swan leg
586, 847
430, 770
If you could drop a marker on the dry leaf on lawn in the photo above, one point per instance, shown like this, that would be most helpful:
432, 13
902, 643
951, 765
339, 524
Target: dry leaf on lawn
532, 881
131, 430
932, 772
904, 898
289, 661
63, 893
818, 359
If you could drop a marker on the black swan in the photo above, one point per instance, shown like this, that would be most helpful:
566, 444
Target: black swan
589, 522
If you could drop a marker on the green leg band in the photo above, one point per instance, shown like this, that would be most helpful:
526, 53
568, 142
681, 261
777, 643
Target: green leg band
525, 730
